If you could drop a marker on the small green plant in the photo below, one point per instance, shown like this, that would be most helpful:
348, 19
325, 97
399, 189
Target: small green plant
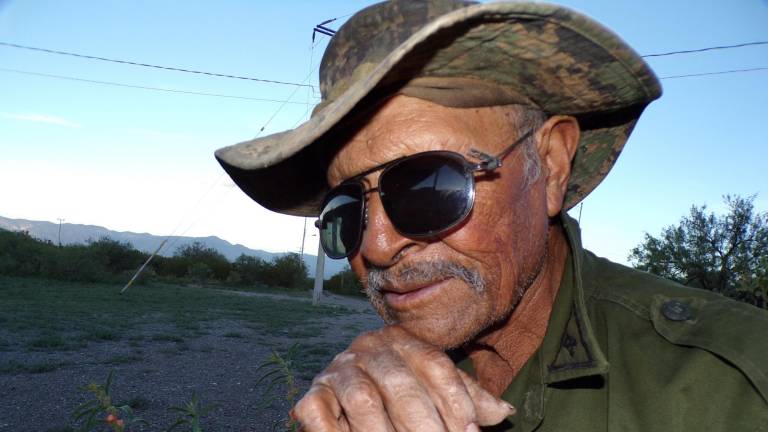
278, 370
99, 410
190, 413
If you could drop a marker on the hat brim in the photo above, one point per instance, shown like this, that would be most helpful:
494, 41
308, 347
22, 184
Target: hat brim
555, 59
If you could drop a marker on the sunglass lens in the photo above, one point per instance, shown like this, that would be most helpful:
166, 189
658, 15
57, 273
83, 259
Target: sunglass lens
427, 194
341, 220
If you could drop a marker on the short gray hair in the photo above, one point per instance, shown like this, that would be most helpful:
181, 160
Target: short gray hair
528, 118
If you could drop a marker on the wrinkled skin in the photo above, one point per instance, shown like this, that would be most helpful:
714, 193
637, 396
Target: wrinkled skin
398, 378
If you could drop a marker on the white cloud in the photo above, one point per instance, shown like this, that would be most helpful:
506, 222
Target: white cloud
41, 118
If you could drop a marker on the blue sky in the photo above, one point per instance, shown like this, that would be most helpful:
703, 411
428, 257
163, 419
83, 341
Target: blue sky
140, 160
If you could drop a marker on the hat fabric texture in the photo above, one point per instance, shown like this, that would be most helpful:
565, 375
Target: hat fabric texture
456, 54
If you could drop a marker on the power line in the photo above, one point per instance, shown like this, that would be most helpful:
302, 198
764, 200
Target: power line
714, 48
715, 73
116, 84
50, 51
323, 30
307, 78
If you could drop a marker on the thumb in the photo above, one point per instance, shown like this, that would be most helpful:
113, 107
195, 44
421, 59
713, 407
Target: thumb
490, 410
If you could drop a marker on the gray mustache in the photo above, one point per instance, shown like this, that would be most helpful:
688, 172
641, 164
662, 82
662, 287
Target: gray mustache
422, 273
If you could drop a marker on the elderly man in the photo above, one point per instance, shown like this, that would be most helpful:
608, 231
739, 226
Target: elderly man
450, 141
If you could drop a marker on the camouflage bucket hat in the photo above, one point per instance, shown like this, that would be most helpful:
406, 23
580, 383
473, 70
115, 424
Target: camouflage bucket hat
535, 54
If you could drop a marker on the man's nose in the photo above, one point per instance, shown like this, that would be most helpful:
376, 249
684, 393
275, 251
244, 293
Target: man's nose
381, 244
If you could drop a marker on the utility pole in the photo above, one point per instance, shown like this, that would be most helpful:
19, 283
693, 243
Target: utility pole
303, 239
319, 267
60, 221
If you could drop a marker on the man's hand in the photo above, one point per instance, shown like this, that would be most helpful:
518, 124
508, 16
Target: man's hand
388, 380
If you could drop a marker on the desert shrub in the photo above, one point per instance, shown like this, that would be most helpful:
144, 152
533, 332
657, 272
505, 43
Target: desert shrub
345, 282
22, 255
234, 278
107, 260
119, 256
250, 270
75, 263
174, 267
104, 260
199, 272
287, 271
199, 253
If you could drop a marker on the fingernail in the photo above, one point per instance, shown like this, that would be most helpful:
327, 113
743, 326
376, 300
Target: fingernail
511, 409
472, 427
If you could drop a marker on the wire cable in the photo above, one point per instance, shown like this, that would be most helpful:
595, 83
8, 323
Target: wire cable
280, 108
309, 91
221, 75
714, 48
171, 68
714, 73
160, 89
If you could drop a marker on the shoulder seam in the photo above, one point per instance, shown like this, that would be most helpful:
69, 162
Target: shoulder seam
642, 311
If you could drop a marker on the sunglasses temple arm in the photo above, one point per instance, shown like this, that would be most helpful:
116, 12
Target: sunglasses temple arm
490, 163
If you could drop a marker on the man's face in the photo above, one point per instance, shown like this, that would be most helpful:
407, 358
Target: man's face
502, 244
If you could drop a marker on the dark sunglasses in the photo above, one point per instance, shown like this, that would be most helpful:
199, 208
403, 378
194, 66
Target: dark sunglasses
424, 194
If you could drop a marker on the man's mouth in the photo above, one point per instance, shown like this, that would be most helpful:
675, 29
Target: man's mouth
407, 297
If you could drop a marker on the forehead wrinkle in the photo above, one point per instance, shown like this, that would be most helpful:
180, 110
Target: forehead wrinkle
382, 139
359, 154
406, 126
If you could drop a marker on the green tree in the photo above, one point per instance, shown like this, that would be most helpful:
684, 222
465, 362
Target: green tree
250, 270
22, 255
287, 271
174, 266
198, 253
120, 256
345, 282
726, 254
199, 272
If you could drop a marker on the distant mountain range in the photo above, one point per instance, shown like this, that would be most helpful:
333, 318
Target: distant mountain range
79, 234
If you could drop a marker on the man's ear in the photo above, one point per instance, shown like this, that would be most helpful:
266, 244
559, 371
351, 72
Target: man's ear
557, 141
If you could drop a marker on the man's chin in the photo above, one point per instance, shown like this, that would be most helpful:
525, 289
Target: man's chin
437, 324
443, 333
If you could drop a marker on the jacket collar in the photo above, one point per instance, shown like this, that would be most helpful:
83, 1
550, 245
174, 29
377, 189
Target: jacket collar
570, 348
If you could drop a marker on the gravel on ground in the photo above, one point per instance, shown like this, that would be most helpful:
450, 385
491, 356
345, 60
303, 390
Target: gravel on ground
220, 366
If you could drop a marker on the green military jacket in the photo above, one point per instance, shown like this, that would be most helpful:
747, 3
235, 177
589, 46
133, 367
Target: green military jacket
628, 351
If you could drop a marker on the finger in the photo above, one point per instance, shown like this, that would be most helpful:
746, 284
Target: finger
490, 410
357, 395
408, 403
445, 387
319, 411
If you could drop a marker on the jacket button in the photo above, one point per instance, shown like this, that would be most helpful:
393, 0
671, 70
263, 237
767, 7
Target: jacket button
675, 310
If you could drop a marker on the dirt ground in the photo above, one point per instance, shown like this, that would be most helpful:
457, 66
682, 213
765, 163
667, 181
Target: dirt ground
153, 375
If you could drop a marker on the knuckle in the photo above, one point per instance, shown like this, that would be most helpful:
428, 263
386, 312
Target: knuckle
459, 405
344, 357
360, 396
401, 383
438, 359
367, 340
305, 406
326, 378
